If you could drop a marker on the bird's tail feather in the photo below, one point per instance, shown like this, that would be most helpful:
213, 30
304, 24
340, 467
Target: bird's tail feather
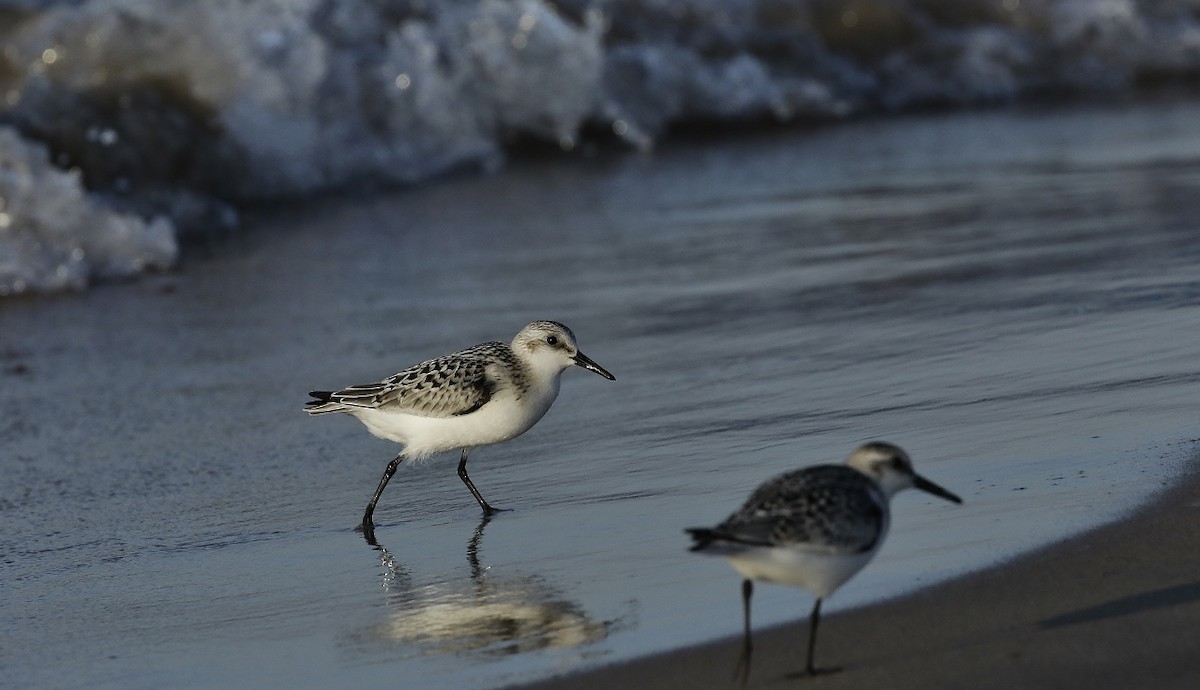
702, 537
322, 403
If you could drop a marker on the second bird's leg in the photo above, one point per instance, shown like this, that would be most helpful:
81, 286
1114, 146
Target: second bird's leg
814, 619
462, 474
742, 673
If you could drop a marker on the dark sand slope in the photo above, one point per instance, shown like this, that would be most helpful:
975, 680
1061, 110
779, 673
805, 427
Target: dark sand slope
1116, 608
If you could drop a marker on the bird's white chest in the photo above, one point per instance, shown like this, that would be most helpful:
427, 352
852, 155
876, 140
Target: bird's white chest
508, 414
820, 571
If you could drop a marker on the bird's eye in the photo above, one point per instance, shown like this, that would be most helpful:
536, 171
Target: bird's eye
552, 340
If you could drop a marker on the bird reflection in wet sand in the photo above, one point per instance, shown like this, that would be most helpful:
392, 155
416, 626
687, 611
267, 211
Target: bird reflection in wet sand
481, 616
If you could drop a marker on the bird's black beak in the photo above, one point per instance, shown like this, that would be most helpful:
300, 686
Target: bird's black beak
929, 487
586, 362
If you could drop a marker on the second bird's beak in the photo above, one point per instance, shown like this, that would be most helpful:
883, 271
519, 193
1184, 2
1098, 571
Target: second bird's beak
586, 362
929, 487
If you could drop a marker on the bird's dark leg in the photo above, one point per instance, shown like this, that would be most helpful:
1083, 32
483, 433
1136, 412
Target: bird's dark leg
742, 673
462, 474
367, 525
814, 619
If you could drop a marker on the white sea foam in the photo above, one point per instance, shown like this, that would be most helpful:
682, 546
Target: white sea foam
259, 99
53, 236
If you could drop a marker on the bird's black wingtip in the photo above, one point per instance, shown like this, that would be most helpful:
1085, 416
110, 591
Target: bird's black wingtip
320, 397
702, 537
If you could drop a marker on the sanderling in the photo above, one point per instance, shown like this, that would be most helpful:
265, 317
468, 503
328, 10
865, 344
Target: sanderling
814, 528
483, 395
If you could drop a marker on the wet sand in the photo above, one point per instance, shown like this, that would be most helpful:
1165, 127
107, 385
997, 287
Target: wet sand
1118, 607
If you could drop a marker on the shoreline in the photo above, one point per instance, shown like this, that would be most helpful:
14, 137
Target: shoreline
1115, 607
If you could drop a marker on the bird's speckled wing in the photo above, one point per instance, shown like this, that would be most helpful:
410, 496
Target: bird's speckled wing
827, 507
447, 386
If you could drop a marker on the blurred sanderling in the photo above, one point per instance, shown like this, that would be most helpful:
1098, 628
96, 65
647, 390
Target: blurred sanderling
482, 395
814, 528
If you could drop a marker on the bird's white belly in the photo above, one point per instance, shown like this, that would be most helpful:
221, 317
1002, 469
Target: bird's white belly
500, 419
819, 573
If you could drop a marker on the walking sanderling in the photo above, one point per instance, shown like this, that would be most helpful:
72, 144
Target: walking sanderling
813, 528
483, 395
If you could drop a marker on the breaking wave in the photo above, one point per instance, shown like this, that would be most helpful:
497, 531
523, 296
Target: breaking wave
160, 117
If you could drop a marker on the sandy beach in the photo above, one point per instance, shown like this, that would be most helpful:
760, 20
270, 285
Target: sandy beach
1115, 608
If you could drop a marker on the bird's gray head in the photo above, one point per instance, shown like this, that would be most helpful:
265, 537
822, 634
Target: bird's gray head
891, 467
551, 346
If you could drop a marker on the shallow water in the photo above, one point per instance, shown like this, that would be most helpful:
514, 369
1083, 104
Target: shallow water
1011, 296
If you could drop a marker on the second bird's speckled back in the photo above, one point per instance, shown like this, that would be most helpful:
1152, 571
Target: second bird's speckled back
826, 507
